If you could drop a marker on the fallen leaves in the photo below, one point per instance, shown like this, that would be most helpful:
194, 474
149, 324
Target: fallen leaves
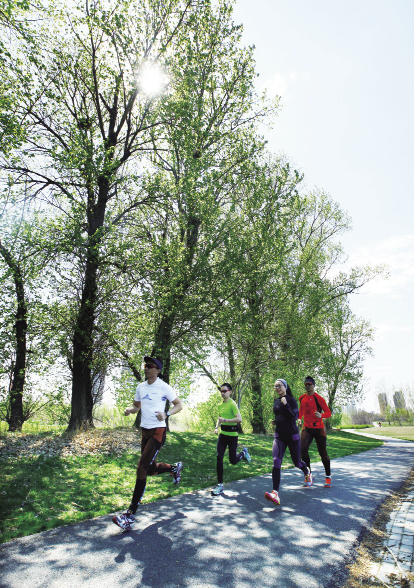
92, 442
369, 550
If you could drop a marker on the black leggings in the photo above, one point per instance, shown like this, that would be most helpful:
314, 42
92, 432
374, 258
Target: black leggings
306, 438
223, 442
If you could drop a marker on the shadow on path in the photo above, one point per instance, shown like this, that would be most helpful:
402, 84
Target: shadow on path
237, 540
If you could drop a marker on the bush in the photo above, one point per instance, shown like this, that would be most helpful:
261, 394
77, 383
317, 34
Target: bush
362, 417
335, 420
206, 414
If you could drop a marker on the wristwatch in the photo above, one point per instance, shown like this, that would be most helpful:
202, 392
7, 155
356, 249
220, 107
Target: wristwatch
168, 413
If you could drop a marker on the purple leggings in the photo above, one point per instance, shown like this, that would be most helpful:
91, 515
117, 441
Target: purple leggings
279, 448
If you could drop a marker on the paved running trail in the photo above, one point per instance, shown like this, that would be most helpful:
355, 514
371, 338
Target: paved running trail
238, 540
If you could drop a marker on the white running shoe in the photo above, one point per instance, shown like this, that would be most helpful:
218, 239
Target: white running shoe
177, 472
273, 496
125, 520
217, 490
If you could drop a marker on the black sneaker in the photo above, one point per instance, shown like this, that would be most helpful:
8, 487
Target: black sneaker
177, 472
125, 520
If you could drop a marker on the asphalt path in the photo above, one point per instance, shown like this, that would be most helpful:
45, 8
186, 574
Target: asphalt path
237, 540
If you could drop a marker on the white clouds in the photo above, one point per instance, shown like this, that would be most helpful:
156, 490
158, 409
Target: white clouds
397, 253
388, 305
390, 331
393, 249
279, 85
347, 122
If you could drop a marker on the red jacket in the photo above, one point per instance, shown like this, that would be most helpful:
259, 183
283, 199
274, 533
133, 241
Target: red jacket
308, 407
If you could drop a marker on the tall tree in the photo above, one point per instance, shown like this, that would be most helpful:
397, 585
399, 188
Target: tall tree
208, 149
88, 122
290, 283
20, 331
21, 264
344, 346
257, 248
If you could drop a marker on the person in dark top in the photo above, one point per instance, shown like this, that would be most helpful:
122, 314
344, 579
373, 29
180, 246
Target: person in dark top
286, 413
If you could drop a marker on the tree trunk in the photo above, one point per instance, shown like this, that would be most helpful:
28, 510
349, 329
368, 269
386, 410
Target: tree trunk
83, 346
331, 400
257, 408
232, 368
19, 372
20, 327
81, 405
162, 343
162, 350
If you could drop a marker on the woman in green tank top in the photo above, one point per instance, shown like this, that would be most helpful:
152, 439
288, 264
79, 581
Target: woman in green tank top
229, 417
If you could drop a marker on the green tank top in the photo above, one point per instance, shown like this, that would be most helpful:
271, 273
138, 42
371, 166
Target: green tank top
228, 410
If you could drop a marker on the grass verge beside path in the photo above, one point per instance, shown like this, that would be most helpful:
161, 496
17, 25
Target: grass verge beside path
405, 433
40, 492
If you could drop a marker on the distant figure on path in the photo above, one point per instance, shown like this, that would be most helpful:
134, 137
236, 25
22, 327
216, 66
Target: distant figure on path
286, 413
150, 398
314, 409
229, 417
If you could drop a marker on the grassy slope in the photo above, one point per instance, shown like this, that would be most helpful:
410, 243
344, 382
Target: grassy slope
40, 493
406, 433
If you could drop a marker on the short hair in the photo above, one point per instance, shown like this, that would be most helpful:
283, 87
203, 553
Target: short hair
310, 379
227, 385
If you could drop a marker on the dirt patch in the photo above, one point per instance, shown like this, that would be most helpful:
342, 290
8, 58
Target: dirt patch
360, 571
95, 441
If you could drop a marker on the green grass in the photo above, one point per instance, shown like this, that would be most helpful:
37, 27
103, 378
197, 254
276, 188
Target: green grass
34, 428
41, 493
354, 427
405, 432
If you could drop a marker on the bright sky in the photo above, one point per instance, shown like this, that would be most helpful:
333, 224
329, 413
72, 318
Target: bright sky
345, 74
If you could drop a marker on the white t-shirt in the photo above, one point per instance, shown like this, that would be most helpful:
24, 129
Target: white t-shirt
152, 398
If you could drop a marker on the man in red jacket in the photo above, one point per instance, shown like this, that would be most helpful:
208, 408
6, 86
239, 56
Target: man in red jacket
314, 409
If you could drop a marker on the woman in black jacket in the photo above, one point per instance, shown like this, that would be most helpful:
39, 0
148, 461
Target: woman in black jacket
286, 435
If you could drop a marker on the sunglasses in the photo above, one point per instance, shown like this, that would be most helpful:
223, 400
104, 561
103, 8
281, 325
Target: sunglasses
149, 366
225, 391
308, 384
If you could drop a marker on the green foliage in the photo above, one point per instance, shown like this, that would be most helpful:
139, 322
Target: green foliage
206, 413
335, 420
56, 406
160, 225
124, 391
111, 416
48, 407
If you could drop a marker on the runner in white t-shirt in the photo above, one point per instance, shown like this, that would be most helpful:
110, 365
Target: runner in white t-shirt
150, 398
